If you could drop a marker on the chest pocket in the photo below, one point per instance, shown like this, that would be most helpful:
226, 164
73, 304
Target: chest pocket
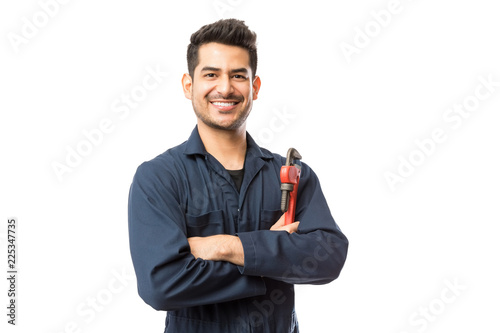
208, 224
268, 218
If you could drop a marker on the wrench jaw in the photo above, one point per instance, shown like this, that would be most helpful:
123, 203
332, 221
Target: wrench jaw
291, 156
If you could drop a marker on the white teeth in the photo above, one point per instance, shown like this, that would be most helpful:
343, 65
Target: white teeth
223, 104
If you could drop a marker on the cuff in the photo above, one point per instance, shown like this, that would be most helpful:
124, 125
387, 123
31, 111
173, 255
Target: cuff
249, 253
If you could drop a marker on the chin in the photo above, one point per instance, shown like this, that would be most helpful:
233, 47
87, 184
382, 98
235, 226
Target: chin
227, 126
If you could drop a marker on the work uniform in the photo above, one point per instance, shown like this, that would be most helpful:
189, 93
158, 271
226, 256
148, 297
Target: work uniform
186, 192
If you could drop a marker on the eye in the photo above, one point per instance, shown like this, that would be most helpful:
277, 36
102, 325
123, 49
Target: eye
211, 75
240, 77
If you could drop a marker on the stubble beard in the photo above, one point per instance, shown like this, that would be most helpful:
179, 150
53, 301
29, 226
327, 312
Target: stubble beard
234, 125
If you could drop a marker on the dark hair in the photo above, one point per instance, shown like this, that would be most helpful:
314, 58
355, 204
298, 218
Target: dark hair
229, 32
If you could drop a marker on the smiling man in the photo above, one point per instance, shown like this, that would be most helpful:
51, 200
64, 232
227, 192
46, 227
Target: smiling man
222, 97
207, 235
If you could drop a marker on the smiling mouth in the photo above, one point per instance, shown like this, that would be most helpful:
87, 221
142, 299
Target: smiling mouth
224, 103
225, 107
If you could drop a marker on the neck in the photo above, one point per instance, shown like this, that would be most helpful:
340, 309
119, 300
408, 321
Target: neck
227, 146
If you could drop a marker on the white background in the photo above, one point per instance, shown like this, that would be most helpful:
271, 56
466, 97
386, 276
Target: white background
352, 118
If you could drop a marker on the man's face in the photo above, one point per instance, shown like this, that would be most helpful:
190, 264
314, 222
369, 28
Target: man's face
221, 88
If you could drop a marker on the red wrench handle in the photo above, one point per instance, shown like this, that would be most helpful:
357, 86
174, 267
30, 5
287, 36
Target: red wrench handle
290, 176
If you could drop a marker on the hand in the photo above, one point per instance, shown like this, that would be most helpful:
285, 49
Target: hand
218, 248
280, 225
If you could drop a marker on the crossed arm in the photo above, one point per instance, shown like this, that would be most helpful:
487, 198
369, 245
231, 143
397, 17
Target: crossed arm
233, 266
227, 247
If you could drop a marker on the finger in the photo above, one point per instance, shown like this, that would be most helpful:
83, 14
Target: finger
293, 227
290, 228
280, 223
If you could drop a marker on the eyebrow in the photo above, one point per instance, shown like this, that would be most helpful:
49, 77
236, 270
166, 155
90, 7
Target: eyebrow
210, 69
239, 70
216, 69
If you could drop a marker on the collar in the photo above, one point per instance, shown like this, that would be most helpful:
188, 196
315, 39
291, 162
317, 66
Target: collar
194, 146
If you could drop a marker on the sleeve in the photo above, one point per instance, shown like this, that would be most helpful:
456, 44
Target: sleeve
313, 255
168, 275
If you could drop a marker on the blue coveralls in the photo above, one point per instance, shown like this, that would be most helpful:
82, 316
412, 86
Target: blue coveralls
186, 192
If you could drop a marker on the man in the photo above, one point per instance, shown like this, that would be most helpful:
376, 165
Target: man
207, 238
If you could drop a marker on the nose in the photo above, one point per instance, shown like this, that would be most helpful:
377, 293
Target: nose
224, 86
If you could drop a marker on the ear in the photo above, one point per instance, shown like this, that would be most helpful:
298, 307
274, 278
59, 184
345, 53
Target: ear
187, 85
256, 87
